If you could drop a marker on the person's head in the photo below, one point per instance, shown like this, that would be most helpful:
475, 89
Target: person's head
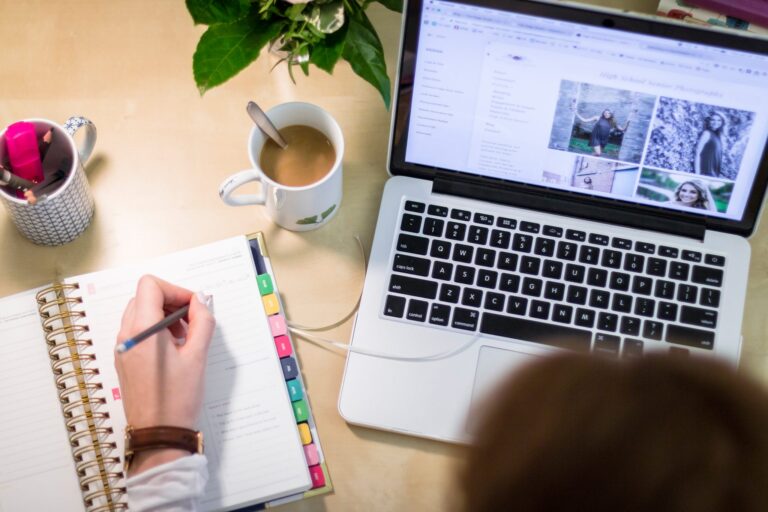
607, 114
714, 123
660, 433
692, 194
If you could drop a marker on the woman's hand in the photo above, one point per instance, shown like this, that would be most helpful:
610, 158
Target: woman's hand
161, 378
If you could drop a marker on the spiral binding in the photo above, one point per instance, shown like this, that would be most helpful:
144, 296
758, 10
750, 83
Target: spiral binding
74, 367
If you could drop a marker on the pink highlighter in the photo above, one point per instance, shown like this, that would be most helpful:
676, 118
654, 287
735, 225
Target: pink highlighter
23, 152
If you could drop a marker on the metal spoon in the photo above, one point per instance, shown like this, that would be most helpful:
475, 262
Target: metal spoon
265, 125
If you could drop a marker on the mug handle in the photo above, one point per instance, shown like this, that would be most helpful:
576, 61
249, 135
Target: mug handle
229, 185
86, 148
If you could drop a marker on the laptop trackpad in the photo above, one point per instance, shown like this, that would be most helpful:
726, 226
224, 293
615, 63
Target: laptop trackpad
494, 365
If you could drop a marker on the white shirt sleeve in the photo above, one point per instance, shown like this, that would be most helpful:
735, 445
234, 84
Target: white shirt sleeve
171, 487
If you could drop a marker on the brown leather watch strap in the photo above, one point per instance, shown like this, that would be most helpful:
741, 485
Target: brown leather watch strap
160, 437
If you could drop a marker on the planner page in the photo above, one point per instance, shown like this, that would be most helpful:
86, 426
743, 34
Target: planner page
251, 441
36, 467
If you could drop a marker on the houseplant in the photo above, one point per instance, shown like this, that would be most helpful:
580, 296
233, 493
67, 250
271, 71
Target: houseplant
303, 32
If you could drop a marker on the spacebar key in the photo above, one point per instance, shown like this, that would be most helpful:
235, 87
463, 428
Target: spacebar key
536, 332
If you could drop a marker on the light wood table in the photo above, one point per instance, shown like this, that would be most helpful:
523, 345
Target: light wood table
161, 153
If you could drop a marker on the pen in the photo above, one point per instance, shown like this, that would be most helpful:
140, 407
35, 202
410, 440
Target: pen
159, 326
7, 178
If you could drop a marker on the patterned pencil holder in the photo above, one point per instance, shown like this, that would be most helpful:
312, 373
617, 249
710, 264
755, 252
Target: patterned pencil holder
64, 206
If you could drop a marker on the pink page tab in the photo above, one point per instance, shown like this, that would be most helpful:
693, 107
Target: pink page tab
277, 325
283, 345
310, 451
318, 478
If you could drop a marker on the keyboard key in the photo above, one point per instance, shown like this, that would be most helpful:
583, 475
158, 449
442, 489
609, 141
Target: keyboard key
504, 222
449, 293
606, 344
621, 303
707, 275
529, 227
577, 295
598, 239
584, 317
632, 348
517, 305
412, 244
410, 223
461, 215
712, 259
464, 274
522, 243
698, 317
554, 290
509, 283
630, 326
619, 281
463, 253
642, 285
692, 256
566, 251
611, 258
411, 265
656, 267
494, 301
532, 287
483, 218
645, 247
394, 306
607, 322
668, 252
507, 261
539, 309
679, 271
438, 211
440, 249
417, 310
689, 337
574, 273
442, 270
472, 297
485, 257
597, 277
487, 278
413, 206
552, 269
477, 235
652, 330
465, 319
687, 293
665, 289
412, 286
589, 254
644, 307
433, 227
667, 311
553, 231
599, 299
709, 297
439, 314
536, 332
634, 262
500, 239
456, 231
621, 243
562, 314
530, 265
572, 234
544, 247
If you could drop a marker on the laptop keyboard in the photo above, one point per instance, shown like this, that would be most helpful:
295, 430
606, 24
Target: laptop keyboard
472, 271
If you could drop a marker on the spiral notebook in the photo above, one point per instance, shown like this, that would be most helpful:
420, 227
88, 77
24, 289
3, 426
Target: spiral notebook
61, 434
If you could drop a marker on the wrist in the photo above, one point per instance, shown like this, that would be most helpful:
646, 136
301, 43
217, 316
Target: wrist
148, 447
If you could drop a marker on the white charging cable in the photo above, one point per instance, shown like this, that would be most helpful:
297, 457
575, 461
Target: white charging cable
307, 333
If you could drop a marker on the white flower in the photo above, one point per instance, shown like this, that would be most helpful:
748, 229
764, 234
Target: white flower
298, 1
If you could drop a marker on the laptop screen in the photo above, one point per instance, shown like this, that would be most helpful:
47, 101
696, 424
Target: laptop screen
622, 115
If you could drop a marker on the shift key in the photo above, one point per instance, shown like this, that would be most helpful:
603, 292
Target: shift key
412, 286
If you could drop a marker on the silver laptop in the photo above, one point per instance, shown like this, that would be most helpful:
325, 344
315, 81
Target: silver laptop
562, 179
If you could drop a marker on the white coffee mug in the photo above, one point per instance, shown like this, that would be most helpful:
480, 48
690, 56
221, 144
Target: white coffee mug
295, 208
59, 216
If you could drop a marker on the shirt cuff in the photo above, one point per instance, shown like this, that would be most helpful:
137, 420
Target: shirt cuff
173, 486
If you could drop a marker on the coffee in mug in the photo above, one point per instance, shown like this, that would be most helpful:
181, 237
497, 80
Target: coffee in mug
307, 159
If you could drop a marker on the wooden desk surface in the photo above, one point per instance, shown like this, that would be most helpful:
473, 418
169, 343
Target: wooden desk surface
163, 150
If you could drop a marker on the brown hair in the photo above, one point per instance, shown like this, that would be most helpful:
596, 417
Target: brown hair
575, 432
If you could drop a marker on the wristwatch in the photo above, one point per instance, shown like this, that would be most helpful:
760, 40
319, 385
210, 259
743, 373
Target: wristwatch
156, 438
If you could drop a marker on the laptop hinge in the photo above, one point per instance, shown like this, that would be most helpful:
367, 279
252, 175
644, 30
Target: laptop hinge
541, 201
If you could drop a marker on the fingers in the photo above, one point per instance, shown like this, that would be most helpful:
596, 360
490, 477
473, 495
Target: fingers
153, 296
201, 324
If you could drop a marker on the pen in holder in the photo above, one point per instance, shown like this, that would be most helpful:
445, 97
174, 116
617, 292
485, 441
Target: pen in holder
59, 208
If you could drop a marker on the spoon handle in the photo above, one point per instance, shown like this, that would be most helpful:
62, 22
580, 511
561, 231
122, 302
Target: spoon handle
263, 122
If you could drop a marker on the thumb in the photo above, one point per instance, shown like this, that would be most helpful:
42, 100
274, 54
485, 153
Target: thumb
201, 323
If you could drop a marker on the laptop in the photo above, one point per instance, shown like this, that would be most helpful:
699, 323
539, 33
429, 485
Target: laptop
562, 179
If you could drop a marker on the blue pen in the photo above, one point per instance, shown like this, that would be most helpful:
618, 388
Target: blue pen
159, 326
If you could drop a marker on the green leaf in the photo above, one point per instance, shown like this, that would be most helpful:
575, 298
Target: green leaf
327, 212
327, 18
308, 220
327, 52
392, 5
226, 49
365, 54
210, 12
